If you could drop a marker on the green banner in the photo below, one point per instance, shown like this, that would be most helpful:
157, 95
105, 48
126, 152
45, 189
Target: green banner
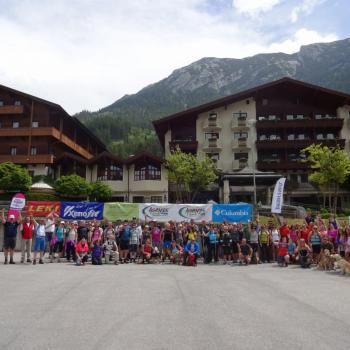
123, 211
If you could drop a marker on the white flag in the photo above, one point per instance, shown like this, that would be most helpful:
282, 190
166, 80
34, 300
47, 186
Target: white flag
277, 199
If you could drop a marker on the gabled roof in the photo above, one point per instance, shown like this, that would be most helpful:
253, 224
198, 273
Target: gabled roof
108, 155
59, 108
161, 123
143, 155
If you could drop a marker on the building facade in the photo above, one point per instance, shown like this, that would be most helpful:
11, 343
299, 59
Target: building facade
44, 138
257, 135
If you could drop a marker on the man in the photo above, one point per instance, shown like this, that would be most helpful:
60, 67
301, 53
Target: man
191, 249
27, 228
50, 229
167, 236
83, 231
10, 234
40, 239
245, 252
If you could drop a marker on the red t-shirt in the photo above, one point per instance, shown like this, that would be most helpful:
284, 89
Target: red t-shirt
27, 232
282, 249
284, 231
147, 249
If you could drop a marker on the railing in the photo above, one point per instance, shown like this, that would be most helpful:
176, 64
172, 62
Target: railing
11, 109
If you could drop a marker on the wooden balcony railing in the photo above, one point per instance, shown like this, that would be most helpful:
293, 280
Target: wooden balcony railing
11, 109
24, 159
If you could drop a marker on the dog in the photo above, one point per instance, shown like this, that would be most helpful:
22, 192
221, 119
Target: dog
326, 261
342, 264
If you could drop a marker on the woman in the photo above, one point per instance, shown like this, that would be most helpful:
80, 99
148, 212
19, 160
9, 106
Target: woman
303, 252
332, 234
275, 236
315, 243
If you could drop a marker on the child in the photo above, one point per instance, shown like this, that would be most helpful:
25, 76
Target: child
146, 251
291, 250
96, 254
282, 254
111, 249
245, 252
82, 250
175, 253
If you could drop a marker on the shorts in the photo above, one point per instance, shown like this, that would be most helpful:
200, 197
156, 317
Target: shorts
124, 245
39, 245
166, 244
227, 250
133, 248
255, 247
58, 247
48, 236
9, 243
235, 249
316, 249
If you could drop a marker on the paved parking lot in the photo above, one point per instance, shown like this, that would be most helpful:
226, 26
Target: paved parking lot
61, 306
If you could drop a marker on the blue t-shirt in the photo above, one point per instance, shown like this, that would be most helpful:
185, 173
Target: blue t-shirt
10, 229
125, 234
59, 233
212, 237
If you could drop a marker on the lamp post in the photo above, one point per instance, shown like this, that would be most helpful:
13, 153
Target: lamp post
251, 123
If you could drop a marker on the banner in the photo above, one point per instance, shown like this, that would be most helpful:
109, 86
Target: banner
17, 204
157, 212
122, 211
42, 208
277, 199
81, 210
240, 212
196, 212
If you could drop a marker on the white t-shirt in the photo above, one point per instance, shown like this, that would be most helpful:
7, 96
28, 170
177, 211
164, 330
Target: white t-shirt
275, 235
50, 224
40, 230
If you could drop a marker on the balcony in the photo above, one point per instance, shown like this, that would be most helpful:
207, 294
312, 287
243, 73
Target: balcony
240, 143
298, 143
238, 164
188, 145
11, 109
239, 123
279, 164
24, 159
212, 145
212, 125
300, 123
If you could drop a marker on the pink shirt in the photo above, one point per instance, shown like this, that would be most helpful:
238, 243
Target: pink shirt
155, 234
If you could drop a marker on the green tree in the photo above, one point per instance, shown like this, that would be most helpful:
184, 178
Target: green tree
99, 191
14, 178
72, 186
330, 169
189, 174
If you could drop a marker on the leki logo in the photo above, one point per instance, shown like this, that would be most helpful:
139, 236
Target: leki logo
152, 211
192, 213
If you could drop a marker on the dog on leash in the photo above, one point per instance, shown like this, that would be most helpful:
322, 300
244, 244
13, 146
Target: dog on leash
342, 264
326, 261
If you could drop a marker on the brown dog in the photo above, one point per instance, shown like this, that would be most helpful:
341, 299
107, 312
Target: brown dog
342, 264
326, 261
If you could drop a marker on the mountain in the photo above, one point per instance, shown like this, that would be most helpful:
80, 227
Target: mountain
326, 64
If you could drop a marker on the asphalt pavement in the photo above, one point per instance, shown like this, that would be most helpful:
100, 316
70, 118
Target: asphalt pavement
62, 306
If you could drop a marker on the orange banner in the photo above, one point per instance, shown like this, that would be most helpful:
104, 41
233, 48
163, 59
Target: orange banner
42, 208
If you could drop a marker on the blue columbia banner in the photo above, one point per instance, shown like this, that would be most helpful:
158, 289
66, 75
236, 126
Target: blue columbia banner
240, 212
82, 210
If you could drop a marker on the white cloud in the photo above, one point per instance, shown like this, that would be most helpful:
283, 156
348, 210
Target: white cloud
303, 36
254, 7
306, 7
84, 54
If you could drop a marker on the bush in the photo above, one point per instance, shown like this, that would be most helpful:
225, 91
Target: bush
14, 178
72, 186
42, 197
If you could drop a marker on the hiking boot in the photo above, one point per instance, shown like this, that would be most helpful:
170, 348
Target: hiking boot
29, 260
12, 262
5, 262
41, 261
34, 262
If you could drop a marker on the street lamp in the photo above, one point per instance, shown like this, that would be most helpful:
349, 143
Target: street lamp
252, 122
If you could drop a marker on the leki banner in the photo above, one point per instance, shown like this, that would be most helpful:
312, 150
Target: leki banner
122, 211
42, 208
277, 199
81, 210
17, 204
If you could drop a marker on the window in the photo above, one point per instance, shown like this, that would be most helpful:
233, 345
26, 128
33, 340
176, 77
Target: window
15, 124
33, 151
156, 199
240, 135
211, 135
264, 101
247, 102
111, 172
13, 151
290, 116
304, 178
240, 115
147, 172
213, 116
17, 103
137, 199
1, 103
35, 124
214, 156
239, 156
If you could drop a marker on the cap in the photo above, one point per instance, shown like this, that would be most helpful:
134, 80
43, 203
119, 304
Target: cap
11, 216
62, 222
75, 222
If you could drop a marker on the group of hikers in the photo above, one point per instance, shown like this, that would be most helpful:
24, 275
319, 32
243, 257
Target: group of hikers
130, 241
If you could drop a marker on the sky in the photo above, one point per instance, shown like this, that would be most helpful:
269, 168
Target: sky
86, 54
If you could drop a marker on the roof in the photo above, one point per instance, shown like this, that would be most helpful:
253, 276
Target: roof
106, 154
143, 155
160, 123
41, 185
60, 108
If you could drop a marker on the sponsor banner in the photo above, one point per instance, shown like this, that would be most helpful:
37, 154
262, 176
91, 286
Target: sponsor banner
240, 212
197, 212
122, 211
42, 208
277, 199
81, 210
17, 204
157, 212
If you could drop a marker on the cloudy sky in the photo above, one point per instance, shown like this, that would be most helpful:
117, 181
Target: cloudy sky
85, 54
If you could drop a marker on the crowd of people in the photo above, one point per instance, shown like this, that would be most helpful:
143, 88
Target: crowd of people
130, 241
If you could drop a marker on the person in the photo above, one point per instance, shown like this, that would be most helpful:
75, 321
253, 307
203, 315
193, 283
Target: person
146, 234
303, 252
156, 234
276, 238
111, 249
226, 244
264, 240
82, 251
95, 232
10, 234
245, 252
332, 233
167, 236
40, 240
96, 253
109, 230
309, 218
27, 229
57, 241
50, 229
146, 251
254, 241
315, 243
291, 250
213, 244
327, 244
284, 229
71, 241
235, 239
191, 249
176, 253
282, 252
135, 237
124, 236
83, 231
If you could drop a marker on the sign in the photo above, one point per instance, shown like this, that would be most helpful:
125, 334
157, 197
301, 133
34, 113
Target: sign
157, 212
196, 212
240, 212
122, 211
17, 204
277, 198
81, 210
42, 208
